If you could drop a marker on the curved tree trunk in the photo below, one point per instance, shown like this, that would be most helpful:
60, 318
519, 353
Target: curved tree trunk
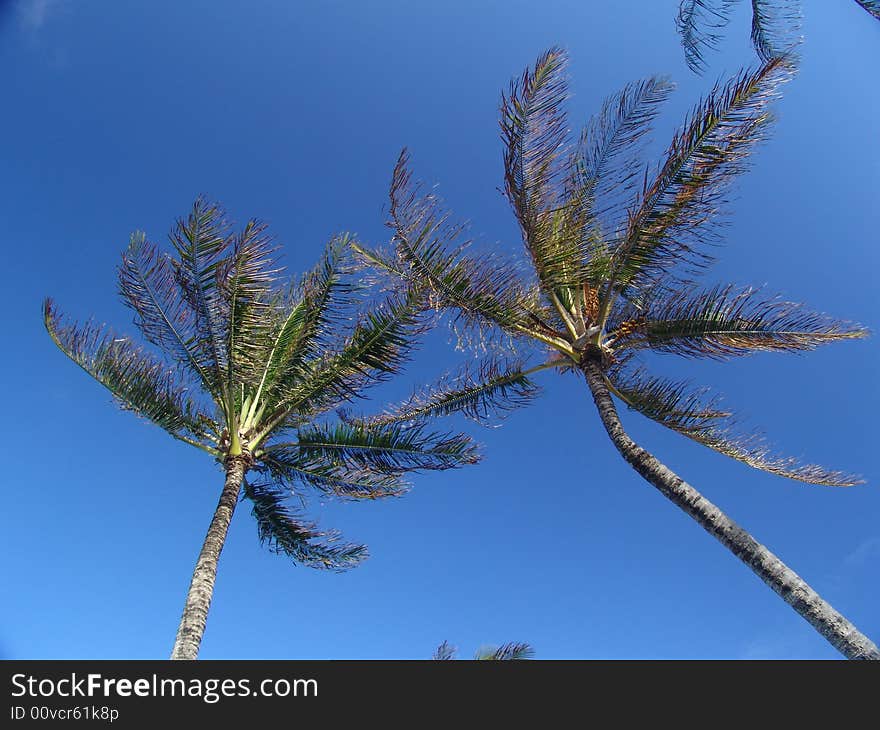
842, 635
201, 589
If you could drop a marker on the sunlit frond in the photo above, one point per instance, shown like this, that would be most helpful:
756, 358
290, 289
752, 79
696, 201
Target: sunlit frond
282, 530
483, 394
307, 321
534, 131
482, 291
698, 23
506, 652
245, 280
137, 381
693, 413
671, 222
388, 449
724, 322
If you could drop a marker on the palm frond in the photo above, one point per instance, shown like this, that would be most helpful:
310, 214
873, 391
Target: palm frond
698, 23
148, 285
534, 131
282, 530
775, 27
670, 223
201, 241
307, 321
723, 322
484, 395
388, 449
606, 161
137, 381
506, 652
871, 6
288, 466
480, 291
444, 652
245, 281
692, 413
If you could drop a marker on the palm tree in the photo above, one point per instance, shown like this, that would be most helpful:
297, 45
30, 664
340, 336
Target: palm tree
775, 26
613, 254
512, 651
247, 370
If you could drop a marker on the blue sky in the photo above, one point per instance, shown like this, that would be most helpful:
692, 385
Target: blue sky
116, 115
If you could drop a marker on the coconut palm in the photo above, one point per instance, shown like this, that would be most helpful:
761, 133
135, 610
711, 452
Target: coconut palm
613, 253
775, 26
246, 370
506, 652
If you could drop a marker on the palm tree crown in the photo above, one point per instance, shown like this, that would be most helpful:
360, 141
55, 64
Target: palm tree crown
250, 370
613, 254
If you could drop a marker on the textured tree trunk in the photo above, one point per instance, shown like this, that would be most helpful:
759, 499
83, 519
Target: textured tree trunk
201, 589
842, 635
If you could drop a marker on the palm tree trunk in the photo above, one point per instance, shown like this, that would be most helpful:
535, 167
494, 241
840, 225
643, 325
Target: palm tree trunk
201, 589
842, 635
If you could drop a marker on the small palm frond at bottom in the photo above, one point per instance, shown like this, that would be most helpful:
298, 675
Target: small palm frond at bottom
693, 413
444, 652
506, 652
281, 529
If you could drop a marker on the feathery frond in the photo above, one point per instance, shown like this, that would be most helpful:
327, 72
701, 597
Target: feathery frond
775, 27
871, 6
698, 23
693, 413
506, 652
388, 449
670, 223
484, 395
723, 322
444, 652
282, 530
137, 381
488, 290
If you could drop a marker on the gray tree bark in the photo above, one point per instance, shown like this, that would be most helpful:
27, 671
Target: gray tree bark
201, 589
842, 635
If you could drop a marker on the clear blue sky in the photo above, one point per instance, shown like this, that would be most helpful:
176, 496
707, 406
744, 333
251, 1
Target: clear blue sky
116, 115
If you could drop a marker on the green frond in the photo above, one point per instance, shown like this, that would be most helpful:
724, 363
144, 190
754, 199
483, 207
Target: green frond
871, 6
479, 290
506, 652
698, 23
138, 382
148, 285
377, 349
534, 131
670, 224
287, 465
245, 280
722, 322
307, 321
484, 395
692, 413
282, 530
386, 449
201, 241
775, 27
